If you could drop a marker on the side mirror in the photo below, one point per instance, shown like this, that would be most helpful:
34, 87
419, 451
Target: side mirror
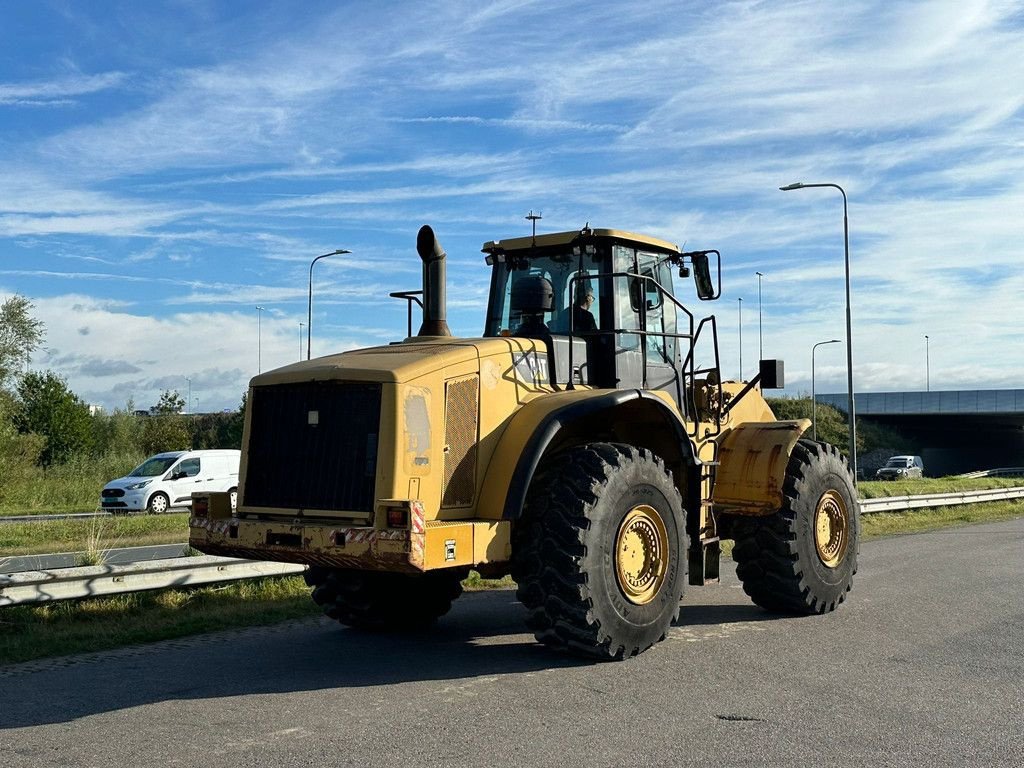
709, 287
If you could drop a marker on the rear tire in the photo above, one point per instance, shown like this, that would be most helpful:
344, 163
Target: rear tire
802, 559
384, 601
599, 554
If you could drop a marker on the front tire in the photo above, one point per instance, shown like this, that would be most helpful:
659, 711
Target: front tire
374, 600
599, 553
158, 503
802, 559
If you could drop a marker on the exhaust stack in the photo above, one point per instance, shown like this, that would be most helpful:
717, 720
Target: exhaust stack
430, 250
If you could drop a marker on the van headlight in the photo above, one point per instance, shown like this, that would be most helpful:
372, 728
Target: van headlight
136, 486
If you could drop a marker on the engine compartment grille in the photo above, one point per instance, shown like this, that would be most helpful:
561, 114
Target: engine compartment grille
313, 445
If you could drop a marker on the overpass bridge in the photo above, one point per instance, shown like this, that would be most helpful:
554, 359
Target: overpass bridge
953, 430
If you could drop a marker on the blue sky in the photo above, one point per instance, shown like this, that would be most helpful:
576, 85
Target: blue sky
167, 167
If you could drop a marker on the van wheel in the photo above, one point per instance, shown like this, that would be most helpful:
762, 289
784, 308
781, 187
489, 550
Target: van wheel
158, 504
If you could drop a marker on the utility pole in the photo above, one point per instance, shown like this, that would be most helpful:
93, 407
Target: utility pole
760, 327
740, 305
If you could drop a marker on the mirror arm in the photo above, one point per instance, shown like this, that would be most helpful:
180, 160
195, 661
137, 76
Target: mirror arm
740, 395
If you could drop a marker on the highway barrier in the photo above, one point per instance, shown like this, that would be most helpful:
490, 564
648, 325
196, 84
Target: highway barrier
99, 580
899, 503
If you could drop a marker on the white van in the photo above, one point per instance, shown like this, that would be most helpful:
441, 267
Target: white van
169, 479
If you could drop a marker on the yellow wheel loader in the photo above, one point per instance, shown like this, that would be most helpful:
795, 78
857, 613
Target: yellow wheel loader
586, 444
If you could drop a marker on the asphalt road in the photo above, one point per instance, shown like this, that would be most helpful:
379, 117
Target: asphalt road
122, 556
924, 665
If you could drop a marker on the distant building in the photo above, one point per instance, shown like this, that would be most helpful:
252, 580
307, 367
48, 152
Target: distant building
95, 409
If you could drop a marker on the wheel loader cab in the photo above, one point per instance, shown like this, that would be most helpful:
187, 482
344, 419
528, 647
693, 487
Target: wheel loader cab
640, 332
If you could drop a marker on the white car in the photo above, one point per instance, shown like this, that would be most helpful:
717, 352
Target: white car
169, 479
901, 468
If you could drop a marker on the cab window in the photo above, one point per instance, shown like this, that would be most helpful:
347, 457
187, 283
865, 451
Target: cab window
187, 468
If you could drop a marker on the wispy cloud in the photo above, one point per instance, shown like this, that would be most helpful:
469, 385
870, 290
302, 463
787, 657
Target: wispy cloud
58, 92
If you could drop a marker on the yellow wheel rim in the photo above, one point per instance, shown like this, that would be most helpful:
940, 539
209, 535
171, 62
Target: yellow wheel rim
831, 528
641, 554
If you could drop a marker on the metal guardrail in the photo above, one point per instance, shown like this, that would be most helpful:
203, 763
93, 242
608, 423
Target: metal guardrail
1000, 472
101, 580
896, 503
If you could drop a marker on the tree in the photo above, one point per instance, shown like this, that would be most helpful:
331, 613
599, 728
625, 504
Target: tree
834, 428
166, 429
170, 403
19, 454
218, 430
20, 336
48, 408
119, 432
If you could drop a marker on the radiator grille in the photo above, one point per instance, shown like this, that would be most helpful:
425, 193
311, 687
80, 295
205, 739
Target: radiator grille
460, 438
313, 446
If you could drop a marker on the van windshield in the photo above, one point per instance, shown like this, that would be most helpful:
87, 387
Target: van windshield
154, 466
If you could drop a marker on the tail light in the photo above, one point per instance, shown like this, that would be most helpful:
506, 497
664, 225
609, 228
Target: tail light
398, 517
201, 507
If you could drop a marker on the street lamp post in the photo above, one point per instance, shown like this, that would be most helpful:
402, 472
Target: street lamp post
188, 403
849, 331
259, 339
309, 307
760, 327
814, 403
927, 367
739, 303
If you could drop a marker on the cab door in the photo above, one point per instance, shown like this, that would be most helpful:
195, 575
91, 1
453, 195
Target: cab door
184, 478
648, 359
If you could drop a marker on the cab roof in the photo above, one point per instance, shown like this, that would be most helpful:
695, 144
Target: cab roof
566, 238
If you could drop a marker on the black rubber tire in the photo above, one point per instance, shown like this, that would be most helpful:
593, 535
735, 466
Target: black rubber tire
776, 557
156, 509
384, 601
563, 557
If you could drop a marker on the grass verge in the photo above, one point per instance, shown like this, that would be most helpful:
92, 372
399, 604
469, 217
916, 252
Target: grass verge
876, 489
33, 632
95, 533
76, 626
922, 520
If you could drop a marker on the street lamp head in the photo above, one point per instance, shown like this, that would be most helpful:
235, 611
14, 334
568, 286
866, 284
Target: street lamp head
791, 187
261, 309
759, 274
339, 252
